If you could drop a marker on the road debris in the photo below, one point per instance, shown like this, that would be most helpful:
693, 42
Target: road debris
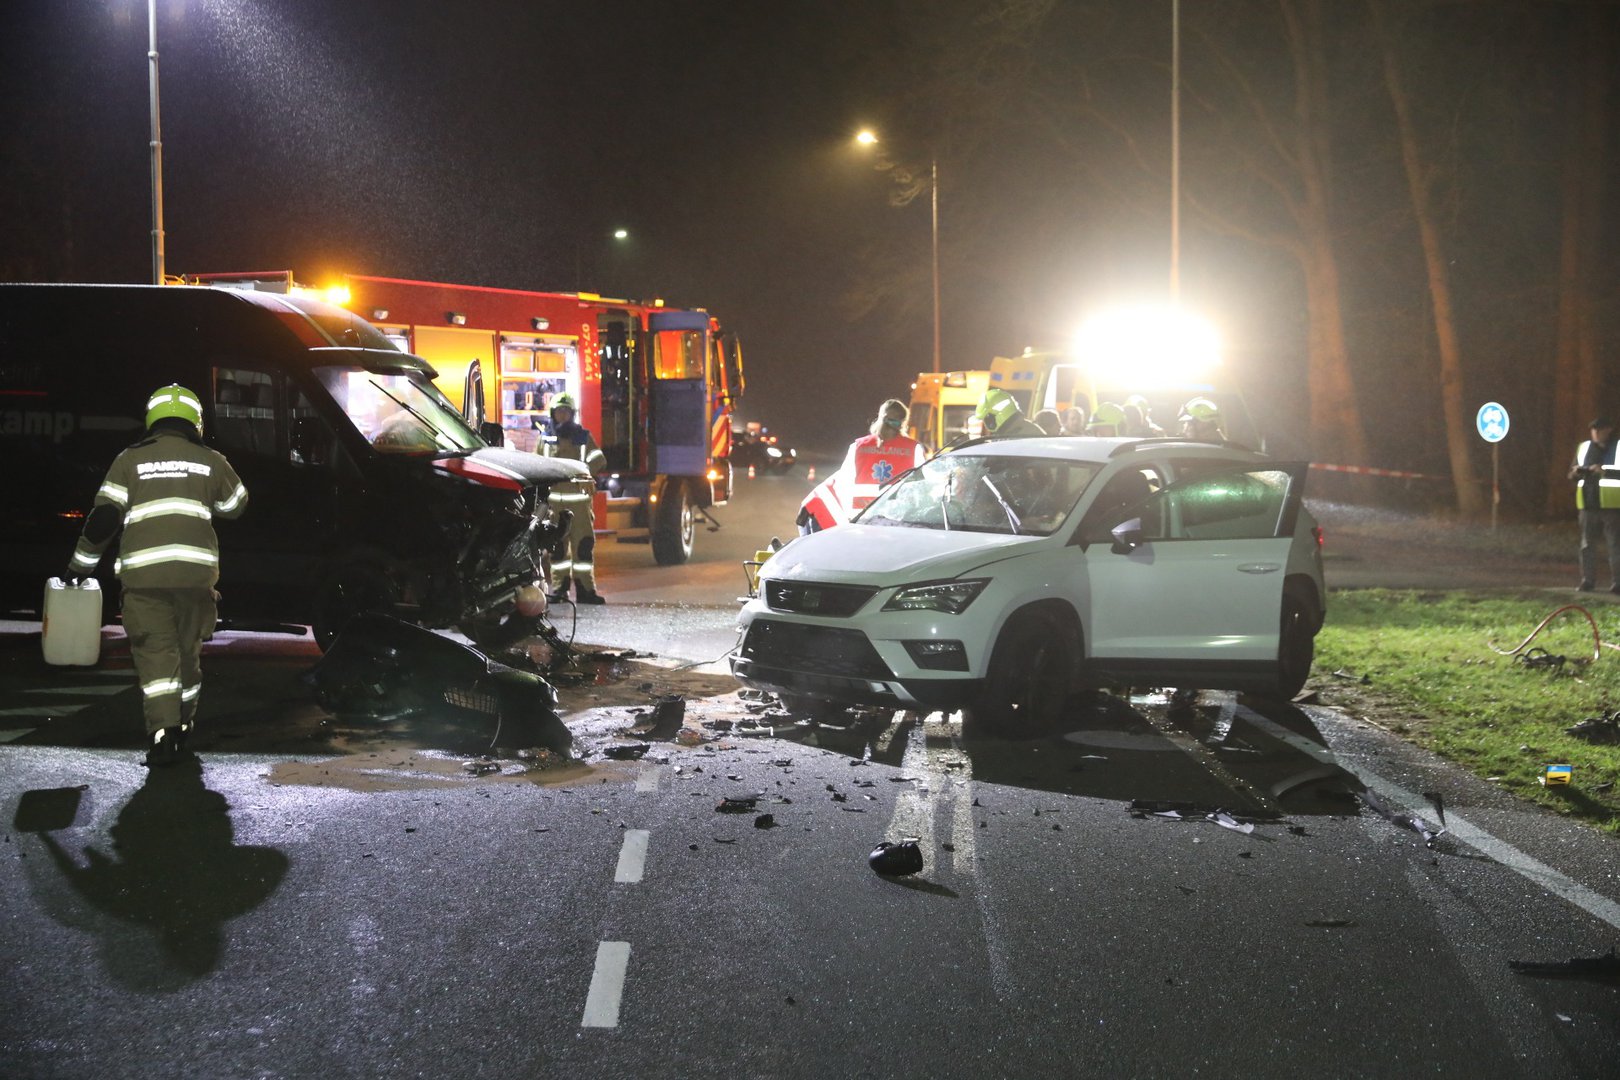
742, 804
1331, 924
666, 720
626, 751
1428, 831
1604, 728
1364, 680
896, 859
1605, 967
386, 668
481, 766
765, 821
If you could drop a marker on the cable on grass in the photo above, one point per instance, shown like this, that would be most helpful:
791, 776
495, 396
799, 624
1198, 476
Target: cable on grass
1540, 658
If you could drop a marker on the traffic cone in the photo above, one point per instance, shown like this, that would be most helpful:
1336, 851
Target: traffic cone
750, 472
811, 474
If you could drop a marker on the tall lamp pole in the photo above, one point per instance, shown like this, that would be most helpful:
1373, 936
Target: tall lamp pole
157, 144
934, 184
1175, 153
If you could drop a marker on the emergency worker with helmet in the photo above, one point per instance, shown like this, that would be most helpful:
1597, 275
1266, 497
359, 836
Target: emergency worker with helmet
573, 558
998, 411
164, 493
1201, 421
1107, 421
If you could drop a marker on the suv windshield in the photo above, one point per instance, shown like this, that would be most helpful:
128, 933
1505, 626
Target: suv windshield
398, 413
1022, 496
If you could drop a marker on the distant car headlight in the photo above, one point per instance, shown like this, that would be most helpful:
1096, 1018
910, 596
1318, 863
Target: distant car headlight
951, 597
772, 451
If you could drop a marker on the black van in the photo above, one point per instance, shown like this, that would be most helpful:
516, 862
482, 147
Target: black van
367, 490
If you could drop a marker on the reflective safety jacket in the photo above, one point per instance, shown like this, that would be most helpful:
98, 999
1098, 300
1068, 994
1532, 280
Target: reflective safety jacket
1598, 492
871, 464
167, 490
574, 442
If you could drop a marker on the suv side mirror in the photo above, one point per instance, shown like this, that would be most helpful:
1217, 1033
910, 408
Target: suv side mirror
1127, 536
492, 433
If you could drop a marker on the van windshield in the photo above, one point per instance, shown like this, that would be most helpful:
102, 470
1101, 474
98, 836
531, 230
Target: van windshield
399, 413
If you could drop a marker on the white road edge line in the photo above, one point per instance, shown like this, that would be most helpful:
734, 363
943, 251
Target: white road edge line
607, 985
632, 856
1554, 881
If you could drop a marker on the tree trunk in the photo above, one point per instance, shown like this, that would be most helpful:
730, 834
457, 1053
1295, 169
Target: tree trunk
1577, 381
1336, 426
1466, 485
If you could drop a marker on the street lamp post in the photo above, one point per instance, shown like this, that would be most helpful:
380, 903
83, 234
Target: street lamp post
867, 137
157, 144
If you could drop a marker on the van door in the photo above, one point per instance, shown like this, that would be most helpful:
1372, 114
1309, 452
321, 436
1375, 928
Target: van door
286, 455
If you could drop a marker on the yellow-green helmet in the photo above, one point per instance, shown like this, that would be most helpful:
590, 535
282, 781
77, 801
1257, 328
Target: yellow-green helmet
996, 409
1108, 415
564, 400
1201, 408
176, 401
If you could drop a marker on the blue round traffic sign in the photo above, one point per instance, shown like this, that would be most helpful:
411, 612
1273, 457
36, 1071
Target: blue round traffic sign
1492, 422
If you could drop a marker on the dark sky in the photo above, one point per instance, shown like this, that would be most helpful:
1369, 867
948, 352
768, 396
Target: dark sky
499, 142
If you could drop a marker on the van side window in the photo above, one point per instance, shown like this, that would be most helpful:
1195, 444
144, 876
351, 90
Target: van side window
310, 440
244, 411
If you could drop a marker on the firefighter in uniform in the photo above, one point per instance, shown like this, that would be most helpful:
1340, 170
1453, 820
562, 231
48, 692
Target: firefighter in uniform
1201, 421
572, 558
164, 493
879, 456
998, 411
1597, 501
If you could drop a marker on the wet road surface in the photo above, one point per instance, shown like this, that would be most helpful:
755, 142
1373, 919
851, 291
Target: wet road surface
330, 898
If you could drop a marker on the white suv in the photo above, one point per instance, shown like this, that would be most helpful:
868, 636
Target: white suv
1002, 576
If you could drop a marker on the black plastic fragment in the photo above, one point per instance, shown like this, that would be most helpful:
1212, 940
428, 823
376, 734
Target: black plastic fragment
896, 860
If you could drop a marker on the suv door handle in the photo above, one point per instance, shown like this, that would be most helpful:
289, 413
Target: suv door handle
1260, 568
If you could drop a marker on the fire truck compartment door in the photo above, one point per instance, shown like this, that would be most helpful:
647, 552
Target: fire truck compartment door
680, 428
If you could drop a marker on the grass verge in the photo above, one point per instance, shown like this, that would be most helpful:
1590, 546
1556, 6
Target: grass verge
1436, 680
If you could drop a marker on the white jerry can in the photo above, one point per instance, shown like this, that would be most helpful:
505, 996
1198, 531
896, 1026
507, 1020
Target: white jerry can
71, 630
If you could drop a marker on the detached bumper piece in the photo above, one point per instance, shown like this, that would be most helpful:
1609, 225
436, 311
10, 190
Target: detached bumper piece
380, 666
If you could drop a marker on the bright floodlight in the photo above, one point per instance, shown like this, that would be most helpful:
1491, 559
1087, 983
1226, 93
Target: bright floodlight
866, 136
1149, 346
621, 234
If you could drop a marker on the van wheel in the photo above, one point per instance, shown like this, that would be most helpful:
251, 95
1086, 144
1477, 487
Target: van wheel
1296, 644
674, 525
349, 591
1031, 674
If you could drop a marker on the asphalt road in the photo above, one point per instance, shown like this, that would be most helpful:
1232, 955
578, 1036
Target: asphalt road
315, 900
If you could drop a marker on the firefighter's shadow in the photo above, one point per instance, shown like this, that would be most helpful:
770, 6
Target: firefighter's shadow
174, 874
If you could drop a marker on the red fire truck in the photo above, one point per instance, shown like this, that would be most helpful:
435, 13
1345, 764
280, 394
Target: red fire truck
656, 385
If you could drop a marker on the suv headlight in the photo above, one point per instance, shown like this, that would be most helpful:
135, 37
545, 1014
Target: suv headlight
951, 597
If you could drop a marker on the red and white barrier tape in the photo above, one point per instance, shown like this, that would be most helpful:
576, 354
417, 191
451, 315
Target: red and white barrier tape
1365, 470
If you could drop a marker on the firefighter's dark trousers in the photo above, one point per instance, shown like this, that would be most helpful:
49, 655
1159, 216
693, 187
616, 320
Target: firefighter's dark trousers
573, 559
166, 628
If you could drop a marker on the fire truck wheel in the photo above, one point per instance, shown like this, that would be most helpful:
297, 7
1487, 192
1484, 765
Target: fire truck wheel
349, 590
673, 526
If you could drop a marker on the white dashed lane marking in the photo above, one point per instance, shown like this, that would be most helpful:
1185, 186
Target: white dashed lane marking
607, 985
632, 856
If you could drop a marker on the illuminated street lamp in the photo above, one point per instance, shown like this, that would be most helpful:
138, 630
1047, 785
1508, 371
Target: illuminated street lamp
157, 144
867, 137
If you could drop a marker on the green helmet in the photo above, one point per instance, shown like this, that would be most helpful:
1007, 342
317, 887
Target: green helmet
564, 400
1201, 408
997, 409
1108, 415
176, 401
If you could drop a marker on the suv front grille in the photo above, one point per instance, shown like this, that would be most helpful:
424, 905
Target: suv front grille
811, 598
822, 649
